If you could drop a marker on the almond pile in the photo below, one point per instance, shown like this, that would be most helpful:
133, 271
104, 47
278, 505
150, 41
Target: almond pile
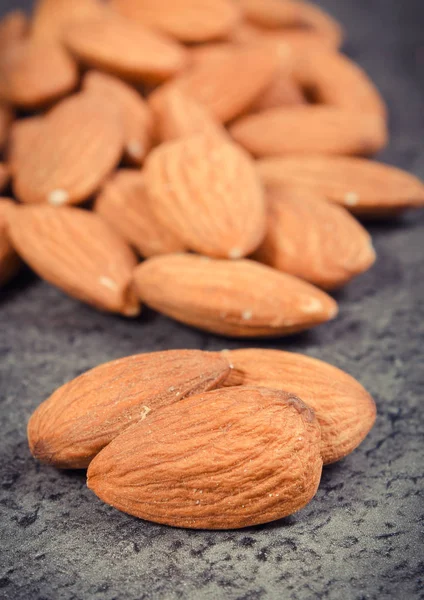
225, 142
204, 440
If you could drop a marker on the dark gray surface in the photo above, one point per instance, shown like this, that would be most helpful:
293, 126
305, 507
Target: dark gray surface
361, 537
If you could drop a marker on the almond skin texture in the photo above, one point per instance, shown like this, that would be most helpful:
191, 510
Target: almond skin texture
136, 115
126, 206
4, 176
78, 252
79, 144
344, 409
233, 298
52, 17
186, 20
365, 187
310, 129
124, 48
9, 260
206, 192
227, 80
84, 415
225, 459
178, 115
34, 73
6, 118
313, 239
23, 134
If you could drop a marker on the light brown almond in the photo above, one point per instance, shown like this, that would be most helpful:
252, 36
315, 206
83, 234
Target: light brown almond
79, 144
186, 20
125, 48
234, 298
9, 260
178, 115
52, 17
6, 118
228, 79
13, 26
78, 252
23, 134
282, 91
84, 415
311, 129
221, 460
206, 192
313, 239
126, 206
344, 409
136, 115
365, 187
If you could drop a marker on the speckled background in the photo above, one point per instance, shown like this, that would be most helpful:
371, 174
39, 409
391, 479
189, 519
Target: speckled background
361, 537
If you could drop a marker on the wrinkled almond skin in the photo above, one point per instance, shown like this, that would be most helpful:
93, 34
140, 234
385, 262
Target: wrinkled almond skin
313, 239
233, 298
206, 192
186, 20
23, 134
365, 187
79, 144
125, 205
344, 409
6, 118
9, 260
227, 80
78, 252
310, 129
136, 115
126, 49
177, 115
4, 176
225, 459
84, 415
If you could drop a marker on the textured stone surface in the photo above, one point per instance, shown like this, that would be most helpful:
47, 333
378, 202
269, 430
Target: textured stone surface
360, 538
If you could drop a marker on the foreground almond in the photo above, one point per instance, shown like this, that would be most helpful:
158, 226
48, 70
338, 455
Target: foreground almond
84, 415
206, 192
126, 206
366, 188
310, 129
344, 409
9, 260
313, 239
235, 298
78, 146
79, 253
222, 460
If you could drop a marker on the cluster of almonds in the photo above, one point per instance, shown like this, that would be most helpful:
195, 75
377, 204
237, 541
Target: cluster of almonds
242, 131
204, 440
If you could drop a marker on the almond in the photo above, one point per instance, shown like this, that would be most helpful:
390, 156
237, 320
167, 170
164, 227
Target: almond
235, 298
344, 409
282, 91
9, 260
52, 17
126, 206
23, 134
4, 175
178, 115
313, 239
136, 114
124, 48
206, 192
13, 26
6, 118
186, 20
34, 73
365, 187
84, 415
79, 144
225, 459
228, 79
332, 78
310, 129
79, 253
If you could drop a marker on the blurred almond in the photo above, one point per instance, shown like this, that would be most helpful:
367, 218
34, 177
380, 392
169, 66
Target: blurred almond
136, 114
4, 176
125, 48
79, 144
126, 206
234, 298
9, 260
344, 409
13, 26
52, 17
22, 136
186, 20
313, 239
78, 252
310, 129
283, 91
365, 187
206, 192
6, 118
